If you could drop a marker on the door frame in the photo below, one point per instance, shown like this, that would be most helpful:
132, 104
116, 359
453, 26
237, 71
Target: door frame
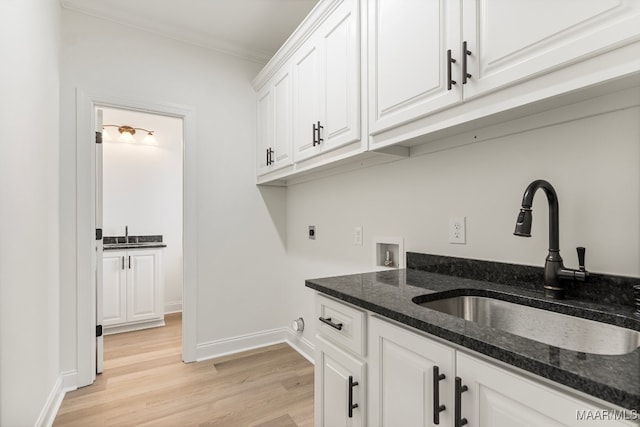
86, 104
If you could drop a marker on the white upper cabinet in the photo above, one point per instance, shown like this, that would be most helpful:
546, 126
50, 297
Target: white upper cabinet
409, 41
340, 76
418, 70
275, 123
511, 41
265, 129
326, 74
494, 44
306, 101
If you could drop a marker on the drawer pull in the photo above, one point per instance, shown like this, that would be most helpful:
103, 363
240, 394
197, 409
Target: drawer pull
328, 321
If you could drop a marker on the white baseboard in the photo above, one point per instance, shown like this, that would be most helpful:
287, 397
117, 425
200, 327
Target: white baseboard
173, 307
50, 409
241, 343
69, 380
128, 327
302, 345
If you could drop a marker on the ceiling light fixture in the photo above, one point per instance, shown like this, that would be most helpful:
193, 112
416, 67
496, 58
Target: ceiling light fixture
127, 132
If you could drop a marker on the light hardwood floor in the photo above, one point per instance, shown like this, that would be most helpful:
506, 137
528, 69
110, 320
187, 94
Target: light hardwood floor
145, 383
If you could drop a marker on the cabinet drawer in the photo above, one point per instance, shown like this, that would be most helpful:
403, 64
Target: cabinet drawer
341, 324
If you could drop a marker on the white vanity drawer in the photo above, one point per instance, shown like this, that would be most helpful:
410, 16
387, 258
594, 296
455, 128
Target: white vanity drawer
341, 324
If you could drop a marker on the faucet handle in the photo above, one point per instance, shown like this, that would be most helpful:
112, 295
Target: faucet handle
581, 252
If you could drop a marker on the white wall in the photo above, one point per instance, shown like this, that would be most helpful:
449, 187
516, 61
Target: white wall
240, 252
142, 188
29, 281
594, 164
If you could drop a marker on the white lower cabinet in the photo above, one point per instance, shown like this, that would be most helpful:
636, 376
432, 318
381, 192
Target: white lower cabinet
409, 377
497, 397
340, 372
405, 378
340, 387
402, 386
133, 290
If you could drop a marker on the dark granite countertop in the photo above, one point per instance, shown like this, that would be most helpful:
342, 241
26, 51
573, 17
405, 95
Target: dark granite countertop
119, 246
112, 243
615, 379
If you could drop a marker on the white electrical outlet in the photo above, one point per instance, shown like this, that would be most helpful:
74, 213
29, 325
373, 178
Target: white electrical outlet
457, 230
357, 236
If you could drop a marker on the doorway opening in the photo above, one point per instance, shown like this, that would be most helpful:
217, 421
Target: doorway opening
139, 203
87, 227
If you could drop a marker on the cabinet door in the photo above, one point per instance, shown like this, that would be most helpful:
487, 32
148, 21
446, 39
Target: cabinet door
500, 398
408, 43
514, 40
114, 295
306, 100
282, 119
401, 370
144, 286
334, 367
265, 128
340, 76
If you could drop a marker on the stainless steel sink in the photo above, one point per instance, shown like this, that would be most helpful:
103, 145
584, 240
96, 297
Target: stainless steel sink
556, 329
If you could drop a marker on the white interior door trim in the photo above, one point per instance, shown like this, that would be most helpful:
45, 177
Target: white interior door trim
86, 103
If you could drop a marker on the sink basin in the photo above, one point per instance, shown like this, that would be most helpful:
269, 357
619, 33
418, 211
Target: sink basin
556, 329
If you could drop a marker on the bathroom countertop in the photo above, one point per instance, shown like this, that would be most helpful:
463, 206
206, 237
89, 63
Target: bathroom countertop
113, 243
146, 245
613, 378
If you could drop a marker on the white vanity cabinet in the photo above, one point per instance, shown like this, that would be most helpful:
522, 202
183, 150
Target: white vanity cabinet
326, 89
340, 368
495, 44
133, 290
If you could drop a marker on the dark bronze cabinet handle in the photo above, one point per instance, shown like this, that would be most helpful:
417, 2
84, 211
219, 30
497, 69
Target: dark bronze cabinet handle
123, 262
459, 421
327, 320
351, 406
450, 60
437, 407
319, 127
313, 126
316, 134
270, 156
465, 52
129, 262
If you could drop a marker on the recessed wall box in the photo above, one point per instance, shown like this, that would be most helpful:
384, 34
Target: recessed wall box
388, 252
